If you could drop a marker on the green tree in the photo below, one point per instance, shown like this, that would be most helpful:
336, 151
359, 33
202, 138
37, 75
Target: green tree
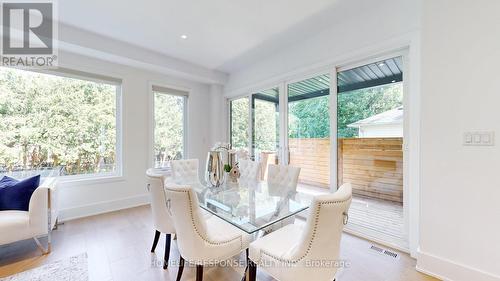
266, 125
50, 121
309, 118
357, 105
239, 123
169, 128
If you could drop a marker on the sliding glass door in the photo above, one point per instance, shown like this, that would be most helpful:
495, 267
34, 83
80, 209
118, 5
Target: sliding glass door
309, 130
370, 122
265, 128
254, 126
370, 129
239, 125
362, 146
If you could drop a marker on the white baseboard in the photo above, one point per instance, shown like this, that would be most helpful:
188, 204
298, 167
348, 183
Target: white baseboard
102, 207
448, 270
377, 241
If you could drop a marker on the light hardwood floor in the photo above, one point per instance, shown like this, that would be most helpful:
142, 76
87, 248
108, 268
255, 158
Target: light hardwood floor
118, 245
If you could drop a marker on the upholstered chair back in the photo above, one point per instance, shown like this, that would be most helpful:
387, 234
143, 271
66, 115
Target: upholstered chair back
185, 171
284, 178
249, 170
188, 220
161, 218
320, 239
200, 241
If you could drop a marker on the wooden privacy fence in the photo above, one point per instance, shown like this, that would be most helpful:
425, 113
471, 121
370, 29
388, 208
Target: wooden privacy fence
374, 166
313, 157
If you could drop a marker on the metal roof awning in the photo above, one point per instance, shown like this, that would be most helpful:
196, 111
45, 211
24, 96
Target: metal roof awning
271, 95
371, 75
310, 88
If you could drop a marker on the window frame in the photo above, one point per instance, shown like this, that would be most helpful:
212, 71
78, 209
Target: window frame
185, 115
103, 79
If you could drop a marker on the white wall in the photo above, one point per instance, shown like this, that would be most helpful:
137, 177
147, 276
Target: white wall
376, 23
92, 196
217, 114
460, 186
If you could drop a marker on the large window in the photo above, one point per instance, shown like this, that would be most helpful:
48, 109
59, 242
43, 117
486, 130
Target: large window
169, 129
57, 125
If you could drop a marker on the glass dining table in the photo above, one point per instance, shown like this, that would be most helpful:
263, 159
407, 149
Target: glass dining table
251, 206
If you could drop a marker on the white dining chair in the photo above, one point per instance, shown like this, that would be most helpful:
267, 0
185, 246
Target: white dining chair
305, 253
283, 178
162, 221
282, 181
185, 171
201, 240
249, 170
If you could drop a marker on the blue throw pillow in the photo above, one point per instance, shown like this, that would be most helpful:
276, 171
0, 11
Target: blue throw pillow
15, 194
7, 181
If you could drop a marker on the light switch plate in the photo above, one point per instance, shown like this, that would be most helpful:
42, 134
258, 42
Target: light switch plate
479, 138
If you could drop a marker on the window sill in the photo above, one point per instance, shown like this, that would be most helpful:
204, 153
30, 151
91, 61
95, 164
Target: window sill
90, 179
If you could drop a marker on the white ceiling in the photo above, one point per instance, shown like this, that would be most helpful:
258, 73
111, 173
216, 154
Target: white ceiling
222, 34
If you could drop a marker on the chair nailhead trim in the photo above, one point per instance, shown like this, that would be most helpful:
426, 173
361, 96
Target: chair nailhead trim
309, 246
196, 229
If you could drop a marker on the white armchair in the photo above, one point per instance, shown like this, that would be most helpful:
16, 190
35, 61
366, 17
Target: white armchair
309, 253
201, 240
185, 171
35, 223
249, 170
162, 221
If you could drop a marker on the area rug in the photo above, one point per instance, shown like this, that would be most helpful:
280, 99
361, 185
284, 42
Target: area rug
70, 269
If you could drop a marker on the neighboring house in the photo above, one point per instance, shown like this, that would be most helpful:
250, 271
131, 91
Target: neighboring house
385, 124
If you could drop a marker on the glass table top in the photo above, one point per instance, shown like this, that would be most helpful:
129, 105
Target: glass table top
250, 205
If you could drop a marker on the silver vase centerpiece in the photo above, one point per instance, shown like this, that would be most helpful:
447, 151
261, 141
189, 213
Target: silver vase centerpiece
214, 172
221, 164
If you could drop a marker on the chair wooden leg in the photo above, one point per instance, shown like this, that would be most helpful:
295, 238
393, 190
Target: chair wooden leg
246, 268
167, 251
181, 268
252, 271
199, 273
155, 241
